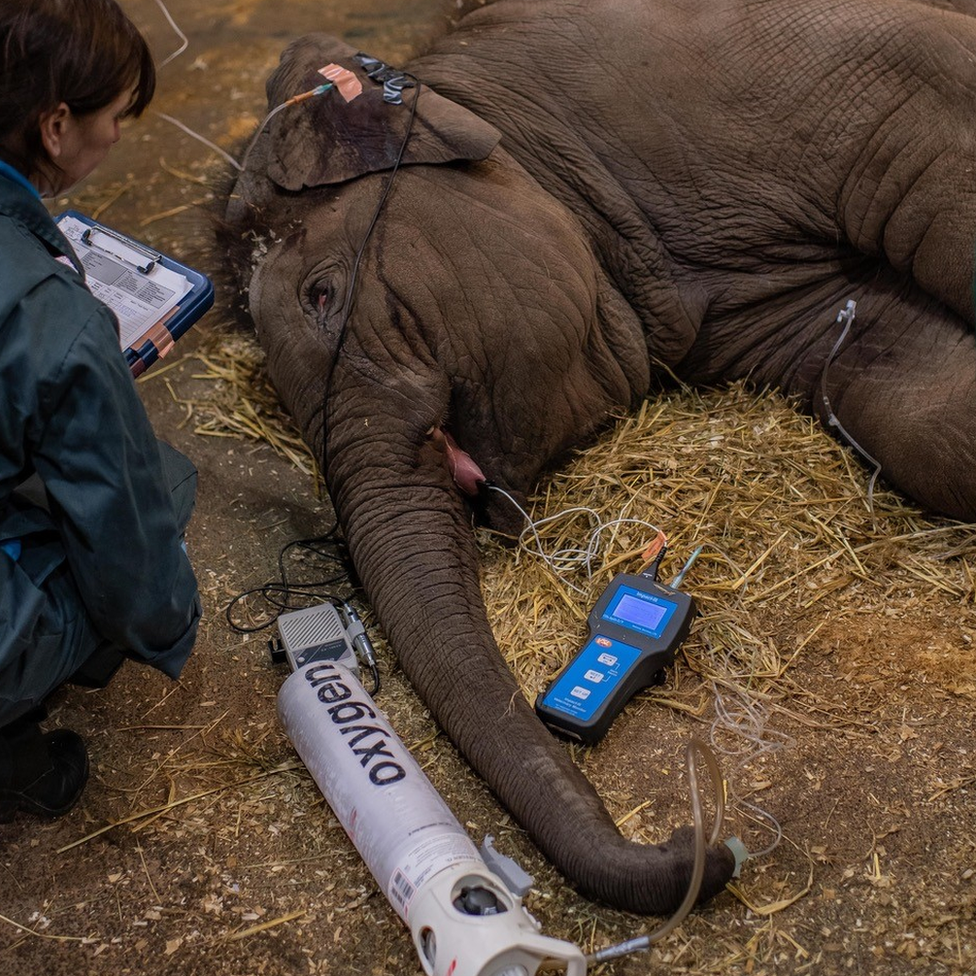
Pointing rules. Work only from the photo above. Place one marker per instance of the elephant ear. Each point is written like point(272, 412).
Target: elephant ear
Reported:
point(326, 139)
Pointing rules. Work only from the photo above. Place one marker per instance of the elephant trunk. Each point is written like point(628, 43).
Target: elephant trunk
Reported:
point(416, 556)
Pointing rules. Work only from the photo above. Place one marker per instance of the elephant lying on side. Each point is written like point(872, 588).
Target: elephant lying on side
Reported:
point(595, 194)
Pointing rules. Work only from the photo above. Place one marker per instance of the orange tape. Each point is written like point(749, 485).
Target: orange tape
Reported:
point(659, 542)
point(158, 335)
point(161, 338)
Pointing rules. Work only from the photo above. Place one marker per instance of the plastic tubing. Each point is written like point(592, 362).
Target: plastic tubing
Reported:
point(694, 748)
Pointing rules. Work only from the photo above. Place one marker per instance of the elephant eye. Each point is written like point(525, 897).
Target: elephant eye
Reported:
point(320, 301)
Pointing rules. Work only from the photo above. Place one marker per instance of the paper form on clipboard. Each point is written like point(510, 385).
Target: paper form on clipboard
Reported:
point(155, 298)
point(132, 282)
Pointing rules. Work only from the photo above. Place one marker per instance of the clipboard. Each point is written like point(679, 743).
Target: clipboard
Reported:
point(157, 338)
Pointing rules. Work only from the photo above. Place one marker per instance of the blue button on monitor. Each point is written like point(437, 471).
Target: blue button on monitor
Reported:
point(584, 686)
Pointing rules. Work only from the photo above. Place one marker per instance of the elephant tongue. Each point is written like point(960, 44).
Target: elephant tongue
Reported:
point(465, 472)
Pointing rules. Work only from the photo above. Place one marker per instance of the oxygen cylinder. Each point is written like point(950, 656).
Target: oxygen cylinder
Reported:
point(463, 919)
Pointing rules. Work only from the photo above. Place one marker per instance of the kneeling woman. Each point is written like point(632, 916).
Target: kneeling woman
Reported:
point(92, 506)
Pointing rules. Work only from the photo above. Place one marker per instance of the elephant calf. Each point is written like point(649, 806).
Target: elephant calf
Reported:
point(589, 196)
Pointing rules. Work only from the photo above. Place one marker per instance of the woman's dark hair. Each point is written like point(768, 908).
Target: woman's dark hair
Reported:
point(84, 53)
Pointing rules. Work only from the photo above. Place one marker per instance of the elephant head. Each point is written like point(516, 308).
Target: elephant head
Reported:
point(421, 299)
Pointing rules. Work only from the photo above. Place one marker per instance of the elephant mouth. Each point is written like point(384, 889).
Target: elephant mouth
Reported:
point(497, 508)
point(465, 472)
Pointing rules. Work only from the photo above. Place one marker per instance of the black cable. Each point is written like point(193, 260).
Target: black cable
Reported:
point(347, 305)
point(309, 591)
point(282, 594)
point(651, 571)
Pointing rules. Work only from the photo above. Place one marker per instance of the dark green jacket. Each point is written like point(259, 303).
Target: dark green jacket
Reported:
point(69, 411)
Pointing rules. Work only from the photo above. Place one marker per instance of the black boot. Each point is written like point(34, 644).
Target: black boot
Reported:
point(40, 772)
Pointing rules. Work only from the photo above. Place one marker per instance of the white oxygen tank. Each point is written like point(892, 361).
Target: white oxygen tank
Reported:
point(463, 919)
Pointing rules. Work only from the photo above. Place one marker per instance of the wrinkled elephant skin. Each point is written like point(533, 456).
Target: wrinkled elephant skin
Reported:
point(596, 195)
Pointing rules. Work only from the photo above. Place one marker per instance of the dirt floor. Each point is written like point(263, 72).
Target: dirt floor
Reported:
point(832, 669)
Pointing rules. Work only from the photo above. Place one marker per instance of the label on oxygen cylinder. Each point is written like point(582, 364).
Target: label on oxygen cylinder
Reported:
point(424, 861)
point(401, 827)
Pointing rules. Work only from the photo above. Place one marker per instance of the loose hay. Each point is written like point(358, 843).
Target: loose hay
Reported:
point(242, 402)
point(780, 509)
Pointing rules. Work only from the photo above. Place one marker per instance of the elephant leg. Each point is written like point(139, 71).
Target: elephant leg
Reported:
point(909, 193)
point(903, 386)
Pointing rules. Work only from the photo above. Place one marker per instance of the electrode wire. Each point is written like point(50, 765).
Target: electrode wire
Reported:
point(569, 560)
point(283, 595)
point(349, 300)
point(172, 23)
point(239, 166)
point(196, 135)
point(846, 316)
point(260, 130)
point(348, 303)
point(694, 750)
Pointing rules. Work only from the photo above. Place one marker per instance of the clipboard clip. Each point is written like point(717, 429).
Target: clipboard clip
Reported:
point(140, 257)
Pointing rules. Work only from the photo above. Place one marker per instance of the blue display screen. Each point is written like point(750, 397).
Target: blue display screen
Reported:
point(644, 612)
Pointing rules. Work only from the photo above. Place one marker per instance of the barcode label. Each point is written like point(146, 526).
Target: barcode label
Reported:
point(401, 890)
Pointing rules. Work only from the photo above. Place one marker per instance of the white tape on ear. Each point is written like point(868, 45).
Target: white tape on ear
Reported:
point(349, 85)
